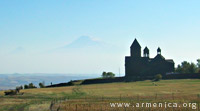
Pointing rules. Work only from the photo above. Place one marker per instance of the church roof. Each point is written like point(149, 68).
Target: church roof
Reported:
point(159, 57)
point(135, 44)
point(170, 60)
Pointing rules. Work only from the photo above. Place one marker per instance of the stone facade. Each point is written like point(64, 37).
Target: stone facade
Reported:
point(138, 66)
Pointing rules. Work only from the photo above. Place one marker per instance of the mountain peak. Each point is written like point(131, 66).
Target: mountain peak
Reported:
point(83, 41)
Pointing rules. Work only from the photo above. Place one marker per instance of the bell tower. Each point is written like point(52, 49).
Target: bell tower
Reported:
point(159, 51)
point(135, 49)
point(146, 52)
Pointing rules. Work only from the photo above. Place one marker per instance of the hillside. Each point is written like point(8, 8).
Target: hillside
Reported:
point(185, 90)
point(10, 81)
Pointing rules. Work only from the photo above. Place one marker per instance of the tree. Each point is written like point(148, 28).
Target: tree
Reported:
point(25, 86)
point(198, 65)
point(187, 67)
point(158, 77)
point(41, 85)
point(104, 74)
point(192, 68)
point(31, 86)
point(108, 75)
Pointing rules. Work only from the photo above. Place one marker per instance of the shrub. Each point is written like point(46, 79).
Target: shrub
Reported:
point(186, 67)
point(108, 75)
point(41, 85)
point(158, 77)
point(31, 85)
point(25, 86)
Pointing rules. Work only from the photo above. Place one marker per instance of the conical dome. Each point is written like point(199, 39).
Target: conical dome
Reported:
point(146, 50)
point(135, 44)
point(158, 50)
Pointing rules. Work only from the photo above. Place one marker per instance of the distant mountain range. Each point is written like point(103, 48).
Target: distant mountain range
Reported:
point(10, 81)
point(84, 42)
point(88, 45)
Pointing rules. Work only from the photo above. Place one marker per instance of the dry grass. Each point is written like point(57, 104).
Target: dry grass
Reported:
point(39, 107)
point(98, 96)
point(104, 105)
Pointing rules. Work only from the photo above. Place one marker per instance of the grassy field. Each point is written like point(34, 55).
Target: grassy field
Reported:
point(99, 97)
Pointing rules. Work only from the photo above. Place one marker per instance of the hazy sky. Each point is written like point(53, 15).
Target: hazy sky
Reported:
point(38, 36)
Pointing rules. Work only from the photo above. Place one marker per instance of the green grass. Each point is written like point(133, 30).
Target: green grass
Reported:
point(164, 90)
